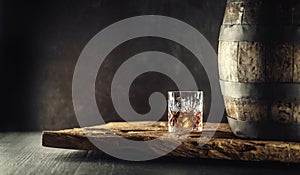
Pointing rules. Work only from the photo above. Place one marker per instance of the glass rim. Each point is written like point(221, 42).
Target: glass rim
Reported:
point(186, 91)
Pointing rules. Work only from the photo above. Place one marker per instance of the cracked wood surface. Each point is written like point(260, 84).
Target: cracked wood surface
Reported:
point(223, 145)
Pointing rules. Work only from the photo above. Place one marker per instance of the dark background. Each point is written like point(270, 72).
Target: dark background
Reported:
point(41, 42)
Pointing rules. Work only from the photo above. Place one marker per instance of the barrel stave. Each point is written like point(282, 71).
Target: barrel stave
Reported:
point(296, 112)
point(246, 109)
point(233, 13)
point(282, 111)
point(280, 62)
point(251, 62)
point(276, 12)
point(253, 13)
point(227, 61)
point(296, 76)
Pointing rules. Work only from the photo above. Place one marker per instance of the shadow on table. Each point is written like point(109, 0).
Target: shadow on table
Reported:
point(171, 165)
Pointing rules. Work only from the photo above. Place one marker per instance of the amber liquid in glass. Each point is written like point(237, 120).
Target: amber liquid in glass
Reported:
point(188, 121)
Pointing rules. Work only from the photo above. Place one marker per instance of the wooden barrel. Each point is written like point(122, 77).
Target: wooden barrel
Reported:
point(259, 66)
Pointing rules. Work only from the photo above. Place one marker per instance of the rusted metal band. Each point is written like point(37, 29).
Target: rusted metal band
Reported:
point(264, 130)
point(259, 33)
point(268, 91)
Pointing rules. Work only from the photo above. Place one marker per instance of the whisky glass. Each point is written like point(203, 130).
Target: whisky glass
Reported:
point(185, 111)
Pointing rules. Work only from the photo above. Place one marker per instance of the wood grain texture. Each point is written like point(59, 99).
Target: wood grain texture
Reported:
point(251, 62)
point(282, 111)
point(297, 111)
point(233, 13)
point(258, 12)
point(22, 153)
point(280, 62)
point(296, 62)
point(255, 60)
point(228, 61)
point(246, 109)
point(223, 145)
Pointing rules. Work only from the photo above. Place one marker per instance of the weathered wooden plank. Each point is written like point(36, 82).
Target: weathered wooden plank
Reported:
point(282, 111)
point(279, 62)
point(223, 145)
point(251, 62)
point(297, 112)
point(234, 13)
point(246, 109)
point(12, 143)
point(296, 77)
point(227, 60)
point(22, 153)
point(259, 12)
point(297, 62)
point(97, 163)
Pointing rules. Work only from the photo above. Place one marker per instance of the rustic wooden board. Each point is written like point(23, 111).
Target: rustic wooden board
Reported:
point(22, 153)
point(223, 145)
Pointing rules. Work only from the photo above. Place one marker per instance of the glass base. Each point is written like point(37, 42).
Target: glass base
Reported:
point(179, 129)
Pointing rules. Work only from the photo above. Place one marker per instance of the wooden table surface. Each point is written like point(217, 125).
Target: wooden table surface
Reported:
point(22, 153)
point(222, 144)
